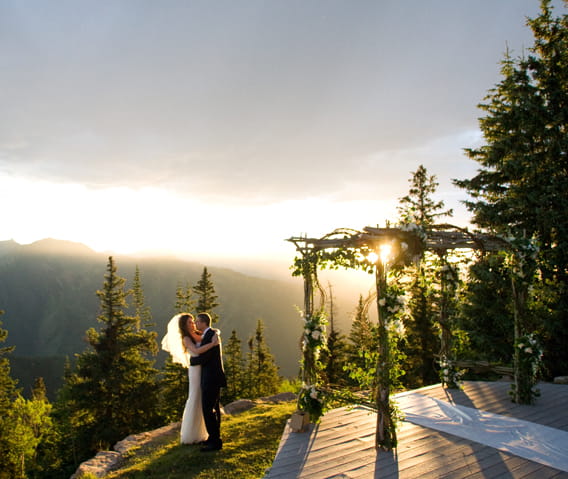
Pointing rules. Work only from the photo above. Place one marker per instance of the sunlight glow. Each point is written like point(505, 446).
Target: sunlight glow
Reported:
point(372, 257)
point(126, 220)
point(385, 252)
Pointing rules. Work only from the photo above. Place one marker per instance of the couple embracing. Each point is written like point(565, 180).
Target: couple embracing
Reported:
point(195, 345)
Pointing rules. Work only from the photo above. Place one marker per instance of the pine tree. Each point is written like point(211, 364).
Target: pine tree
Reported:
point(363, 340)
point(520, 188)
point(421, 341)
point(141, 311)
point(8, 395)
point(362, 348)
point(207, 299)
point(249, 371)
point(8, 391)
point(263, 369)
point(486, 313)
point(418, 206)
point(184, 299)
point(362, 334)
point(334, 356)
point(23, 423)
point(234, 369)
point(113, 390)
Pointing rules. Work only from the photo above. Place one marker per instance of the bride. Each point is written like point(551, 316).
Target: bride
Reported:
point(181, 340)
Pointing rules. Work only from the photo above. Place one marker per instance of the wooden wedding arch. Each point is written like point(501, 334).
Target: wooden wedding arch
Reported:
point(407, 241)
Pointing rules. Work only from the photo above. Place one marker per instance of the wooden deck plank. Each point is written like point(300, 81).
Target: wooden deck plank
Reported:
point(342, 445)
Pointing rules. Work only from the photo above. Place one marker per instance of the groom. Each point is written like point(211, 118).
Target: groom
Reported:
point(212, 379)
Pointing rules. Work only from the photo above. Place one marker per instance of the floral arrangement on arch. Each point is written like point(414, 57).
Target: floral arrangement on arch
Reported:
point(312, 400)
point(314, 332)
point(450, 375)
point(392, 302)
point(528, 354)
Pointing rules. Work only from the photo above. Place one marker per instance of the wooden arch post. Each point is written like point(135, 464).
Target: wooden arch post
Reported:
point(385, 433)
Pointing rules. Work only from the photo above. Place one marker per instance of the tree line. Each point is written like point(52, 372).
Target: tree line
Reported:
point(113, 388)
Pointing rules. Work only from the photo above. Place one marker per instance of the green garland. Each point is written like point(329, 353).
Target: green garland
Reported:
point(528, 359)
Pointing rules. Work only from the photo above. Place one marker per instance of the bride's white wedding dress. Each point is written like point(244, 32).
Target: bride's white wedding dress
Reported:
point(192, 424)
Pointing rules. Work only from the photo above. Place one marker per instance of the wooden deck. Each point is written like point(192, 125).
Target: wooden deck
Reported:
point(342, 445)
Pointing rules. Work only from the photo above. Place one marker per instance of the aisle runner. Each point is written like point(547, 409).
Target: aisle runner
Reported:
point(531, 441)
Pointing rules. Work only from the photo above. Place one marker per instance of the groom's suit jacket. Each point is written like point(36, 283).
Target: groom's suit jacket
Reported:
point(212, 372)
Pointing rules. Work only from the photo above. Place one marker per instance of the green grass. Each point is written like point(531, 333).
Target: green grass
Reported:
point(250, 443)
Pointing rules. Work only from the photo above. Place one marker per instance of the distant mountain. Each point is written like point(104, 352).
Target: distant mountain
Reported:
point(48, 293)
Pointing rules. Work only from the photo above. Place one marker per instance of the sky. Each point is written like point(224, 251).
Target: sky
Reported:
point(214, 130)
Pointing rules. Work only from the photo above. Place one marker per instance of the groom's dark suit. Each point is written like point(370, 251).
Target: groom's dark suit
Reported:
point(212, 379)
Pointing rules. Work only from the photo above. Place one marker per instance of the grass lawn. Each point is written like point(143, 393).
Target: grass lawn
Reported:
point(250, 441)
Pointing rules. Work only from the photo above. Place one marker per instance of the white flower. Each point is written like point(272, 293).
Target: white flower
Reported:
point(314, 394)
point(521, 346)
point(528, 350)
point(382, 302)
point(316, 334)
point(400, 299)
point(399, 327)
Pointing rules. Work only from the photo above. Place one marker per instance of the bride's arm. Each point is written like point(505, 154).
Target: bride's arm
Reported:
point(196, 335)
point(201, 349)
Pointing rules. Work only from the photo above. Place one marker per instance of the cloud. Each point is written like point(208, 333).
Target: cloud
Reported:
point(257, 103)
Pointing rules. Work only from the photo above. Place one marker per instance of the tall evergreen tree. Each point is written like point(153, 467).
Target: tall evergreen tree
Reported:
point(184, 299)
point(8, 394)
point(8, 390)
point(334, 356)
point(113, 390)
point(249, 380)
point(141, 311)
point(363, 345)
point(520, 188)
point(362, 336)
point(263, 370)
point(267, 370)
point(206, 297)
point(486, 309)
point(23, 423)
point(234, 369)
point(420, 208)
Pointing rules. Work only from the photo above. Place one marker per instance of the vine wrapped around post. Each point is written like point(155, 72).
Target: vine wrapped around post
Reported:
point(312, 398)
point(450, 374)
point(527, 355)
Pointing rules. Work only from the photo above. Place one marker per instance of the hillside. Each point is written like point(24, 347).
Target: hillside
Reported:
point(47, 290)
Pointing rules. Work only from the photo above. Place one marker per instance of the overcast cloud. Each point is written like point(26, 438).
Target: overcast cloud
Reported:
point(259, 101)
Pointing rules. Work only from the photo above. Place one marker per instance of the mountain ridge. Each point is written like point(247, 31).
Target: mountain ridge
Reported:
point(49, 299)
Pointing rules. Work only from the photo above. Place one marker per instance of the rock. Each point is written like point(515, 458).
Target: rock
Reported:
point(243, 405)
point(561, 380)
point(278, 398)
point(239, 406)
point(106, 461)
point(100, 465)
